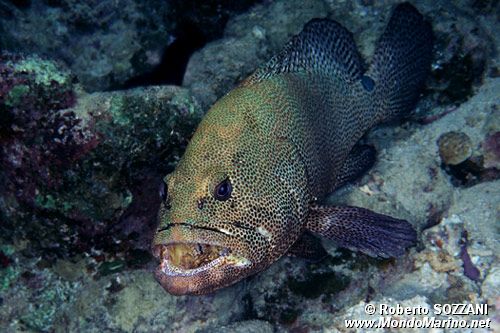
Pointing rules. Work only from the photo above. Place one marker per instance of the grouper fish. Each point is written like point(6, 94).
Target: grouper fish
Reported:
point(248, 189)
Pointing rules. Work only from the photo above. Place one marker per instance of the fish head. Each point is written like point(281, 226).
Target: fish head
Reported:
point(222, 214)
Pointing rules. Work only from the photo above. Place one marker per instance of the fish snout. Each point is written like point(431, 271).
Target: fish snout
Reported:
point(197, 268)
point(200, 260)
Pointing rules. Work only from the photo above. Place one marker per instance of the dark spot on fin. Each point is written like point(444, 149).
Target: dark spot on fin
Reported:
point(360, 229)
point(401, 61)
point(360, 159)
point(323, 46)
point(307, 247)
point(367, 83)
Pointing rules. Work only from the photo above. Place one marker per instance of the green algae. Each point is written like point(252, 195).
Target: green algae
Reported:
point(16, 94)
point(46, 201)
point(45, 305)
point(8, 276)
point(46, 72)
point(8, 250)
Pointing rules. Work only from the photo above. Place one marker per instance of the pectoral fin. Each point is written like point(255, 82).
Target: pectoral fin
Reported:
point(360, 159)
point(363, 230)
point(308, 247)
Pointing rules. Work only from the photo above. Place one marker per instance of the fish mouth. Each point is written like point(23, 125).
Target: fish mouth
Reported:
point(197, 260)
point(189, 259)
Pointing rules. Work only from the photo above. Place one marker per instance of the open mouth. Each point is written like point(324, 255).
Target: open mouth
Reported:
point(192, 258)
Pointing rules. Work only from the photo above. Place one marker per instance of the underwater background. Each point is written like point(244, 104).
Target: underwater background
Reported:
point(98, 100)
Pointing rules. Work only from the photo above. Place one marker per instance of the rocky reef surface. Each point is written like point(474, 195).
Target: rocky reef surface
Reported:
point(80, 170)
point(110, 44)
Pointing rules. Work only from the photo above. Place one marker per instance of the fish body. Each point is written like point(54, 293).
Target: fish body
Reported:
point(249, 186)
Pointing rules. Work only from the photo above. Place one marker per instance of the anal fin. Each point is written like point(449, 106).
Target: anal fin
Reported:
point(360, 229)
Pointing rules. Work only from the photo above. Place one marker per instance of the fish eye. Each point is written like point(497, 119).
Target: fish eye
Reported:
point(163, 190)
point(223, 190)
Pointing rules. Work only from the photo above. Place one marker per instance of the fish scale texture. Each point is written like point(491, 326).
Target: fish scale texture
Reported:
point(321, 73)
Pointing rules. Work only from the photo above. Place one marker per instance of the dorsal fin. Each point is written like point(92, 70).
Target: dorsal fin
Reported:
point(323, 46)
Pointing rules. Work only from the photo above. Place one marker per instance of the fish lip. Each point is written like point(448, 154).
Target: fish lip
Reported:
point(167, 269)
point(211, 275)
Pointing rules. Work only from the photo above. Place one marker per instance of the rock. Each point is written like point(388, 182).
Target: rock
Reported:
point(463, 52)
point(33, 297)
point(478, 209)
point(358, 312)
point(249, 326)
point(109, 44)
point(143, 306)
point(105, 43)
point(491, 285)
point(491, 148)
point(44, 300)
point(249, 40)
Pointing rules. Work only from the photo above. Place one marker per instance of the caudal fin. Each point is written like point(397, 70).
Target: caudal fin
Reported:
point(401, 62)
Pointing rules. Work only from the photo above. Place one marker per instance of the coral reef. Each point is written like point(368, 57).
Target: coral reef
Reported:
point(109, 43)
point(84, 34)
point(77, 169)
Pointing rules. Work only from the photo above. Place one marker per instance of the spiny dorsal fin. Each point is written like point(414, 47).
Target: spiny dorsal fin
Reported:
point(323, 46)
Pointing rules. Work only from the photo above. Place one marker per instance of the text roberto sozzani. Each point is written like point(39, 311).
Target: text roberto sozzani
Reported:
point(439, 316)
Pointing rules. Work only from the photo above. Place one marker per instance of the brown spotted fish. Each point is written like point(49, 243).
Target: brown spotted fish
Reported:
point(249, 187)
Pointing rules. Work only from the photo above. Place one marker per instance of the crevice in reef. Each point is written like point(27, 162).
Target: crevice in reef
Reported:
point(197, 24)
point(174, 60)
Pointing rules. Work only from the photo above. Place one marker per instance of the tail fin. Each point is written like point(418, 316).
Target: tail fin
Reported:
point(401, 62)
